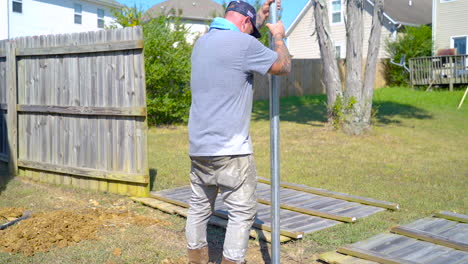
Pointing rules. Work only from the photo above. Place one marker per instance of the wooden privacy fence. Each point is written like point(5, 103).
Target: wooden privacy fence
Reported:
point(305, 78)
point(439, 70)
point(76, 109)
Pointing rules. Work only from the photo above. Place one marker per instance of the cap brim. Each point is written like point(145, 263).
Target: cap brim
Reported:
point(256, 33)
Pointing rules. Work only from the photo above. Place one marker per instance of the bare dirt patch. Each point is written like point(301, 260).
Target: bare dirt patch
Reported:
point(63, 228)
point(8, 214)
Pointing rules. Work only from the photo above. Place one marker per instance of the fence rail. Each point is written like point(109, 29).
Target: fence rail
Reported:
point(439, 70)
point(76, 109)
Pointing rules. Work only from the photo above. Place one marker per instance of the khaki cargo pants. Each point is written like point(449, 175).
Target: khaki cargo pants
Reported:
point(236, 179)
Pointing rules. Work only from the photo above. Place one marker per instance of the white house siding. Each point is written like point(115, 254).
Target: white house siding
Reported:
point(42, 17)
point(303, 42)
point(196, 28)
point(4, 19)
point(450, 21)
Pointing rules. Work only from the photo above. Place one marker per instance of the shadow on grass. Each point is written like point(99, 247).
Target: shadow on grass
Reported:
point(152, 174)
point(312, 108)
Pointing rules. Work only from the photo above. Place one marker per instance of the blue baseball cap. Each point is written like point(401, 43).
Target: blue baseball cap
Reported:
point(245, 9)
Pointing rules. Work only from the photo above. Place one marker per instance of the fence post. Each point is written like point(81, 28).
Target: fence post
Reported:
point(411, 73)
point(12, 121)
point(452, 72)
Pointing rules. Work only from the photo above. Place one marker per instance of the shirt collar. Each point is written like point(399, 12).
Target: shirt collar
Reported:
point(224, 24)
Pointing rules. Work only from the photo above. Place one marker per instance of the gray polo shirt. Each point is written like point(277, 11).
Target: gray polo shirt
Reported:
point(223, 62)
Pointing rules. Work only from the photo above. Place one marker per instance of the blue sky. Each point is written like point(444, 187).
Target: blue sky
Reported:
point(291, 8)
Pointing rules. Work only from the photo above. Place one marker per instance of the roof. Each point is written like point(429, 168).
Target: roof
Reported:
point(109, 3)
point(191, 9)
point(397, 11)
point(409, 12)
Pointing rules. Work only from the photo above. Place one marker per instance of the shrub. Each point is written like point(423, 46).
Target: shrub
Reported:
point(412, 42)
point(167, 67)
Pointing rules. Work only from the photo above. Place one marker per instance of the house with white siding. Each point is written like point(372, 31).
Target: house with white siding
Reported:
point(450, 26)
point(302, 40)
point(40, 17)
point(195, 14)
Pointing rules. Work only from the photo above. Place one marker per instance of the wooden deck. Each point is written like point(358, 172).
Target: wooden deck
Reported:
point(439, 70)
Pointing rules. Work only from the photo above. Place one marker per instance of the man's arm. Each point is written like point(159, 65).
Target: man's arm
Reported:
point(264, 12)
point(282, 65)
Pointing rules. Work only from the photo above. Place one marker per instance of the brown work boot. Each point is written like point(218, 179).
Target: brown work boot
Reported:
point(198, 256)
point(228, 261)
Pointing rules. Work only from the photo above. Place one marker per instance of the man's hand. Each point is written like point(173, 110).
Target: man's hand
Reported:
point(264, 11)
point(282, 65)
point(277, 30)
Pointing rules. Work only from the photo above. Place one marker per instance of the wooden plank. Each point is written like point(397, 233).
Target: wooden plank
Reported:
point(312, 212)
point(4, 107)
point(373, 256)
point(452, 216)
point(84, 172)
point(12, 122)
point(342, 196)
point(223, 214)
point(334, 257)
point(83, 110)
point(214, 220)
point(80, 49)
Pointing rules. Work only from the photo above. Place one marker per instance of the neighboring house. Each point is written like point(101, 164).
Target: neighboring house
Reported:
point(302, 40)
point(195, 14)
point(450, 26)
point(41, 17)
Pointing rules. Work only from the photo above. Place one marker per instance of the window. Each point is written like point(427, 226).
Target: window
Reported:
point(338, 52)
point(100, 18)
point(18, 6)
point(336, 12)
point(459, 43)
point(78, 10)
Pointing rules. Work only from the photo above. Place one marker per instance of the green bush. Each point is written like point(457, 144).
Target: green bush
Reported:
point(412, 42)
point(167, 67)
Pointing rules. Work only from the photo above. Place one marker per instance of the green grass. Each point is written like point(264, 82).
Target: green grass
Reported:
point(416, 155)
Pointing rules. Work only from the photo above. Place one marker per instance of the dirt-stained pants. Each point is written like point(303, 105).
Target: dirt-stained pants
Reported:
point(236, 178)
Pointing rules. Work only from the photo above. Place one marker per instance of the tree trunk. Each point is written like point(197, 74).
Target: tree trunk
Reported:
point(372, 58)
point(331, 74)
point(354, 123)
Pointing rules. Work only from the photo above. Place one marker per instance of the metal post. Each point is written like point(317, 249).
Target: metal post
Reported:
point(274, 154)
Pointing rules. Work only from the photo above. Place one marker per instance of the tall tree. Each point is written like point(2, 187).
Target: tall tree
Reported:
point(352, 104)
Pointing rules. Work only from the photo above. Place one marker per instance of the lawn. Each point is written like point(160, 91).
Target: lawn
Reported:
point(416, 155)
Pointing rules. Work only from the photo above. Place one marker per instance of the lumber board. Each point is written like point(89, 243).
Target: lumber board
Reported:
point(83, 110)
point(84, 172)
point(334, 257)
point(214, 220)
point(4, 107)
point(429, 237)
point(452, 216)
point(222, 211)
point(373, 256)
point(343, 196)
point(312, 212)
point(83, 48)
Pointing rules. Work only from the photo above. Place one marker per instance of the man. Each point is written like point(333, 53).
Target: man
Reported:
point(223, 62)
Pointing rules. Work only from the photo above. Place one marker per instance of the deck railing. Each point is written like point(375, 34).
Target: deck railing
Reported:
point(439, 70)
